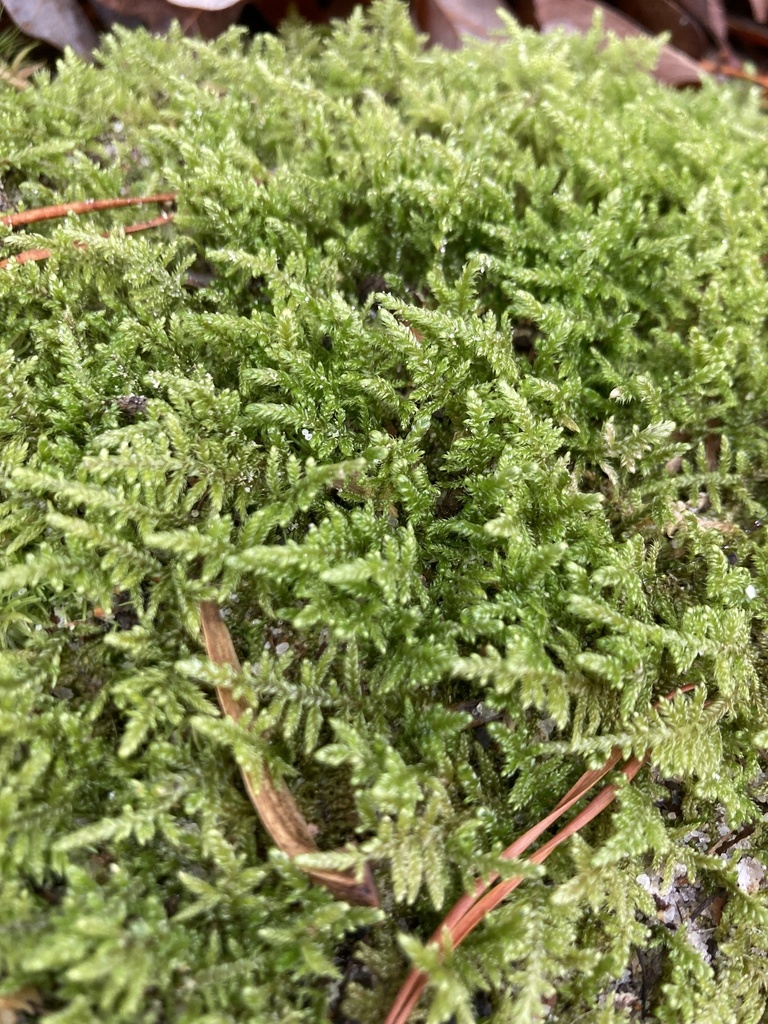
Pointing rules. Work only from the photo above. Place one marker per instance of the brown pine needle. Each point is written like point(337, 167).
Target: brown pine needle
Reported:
point(15, 220)
point(30, 255)
point(470, 910)
point(274, 803)
point(729, 71)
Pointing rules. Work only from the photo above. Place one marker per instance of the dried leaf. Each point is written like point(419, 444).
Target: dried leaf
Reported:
point(317, 11)
point(58, 22)
point(448, 21)
point(659, 16)
point(18, 72)
point(204, 5)
point(274, 803)
point(25, 1001)
point(205, 18)
point(710, 14)
point(673, 67)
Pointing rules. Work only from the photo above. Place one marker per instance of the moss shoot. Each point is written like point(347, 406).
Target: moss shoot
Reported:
point(449, 382)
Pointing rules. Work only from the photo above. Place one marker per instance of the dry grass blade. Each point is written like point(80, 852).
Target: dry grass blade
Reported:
point(28, 256)
point(499, 893)
point(521, 844)
point(274, 803)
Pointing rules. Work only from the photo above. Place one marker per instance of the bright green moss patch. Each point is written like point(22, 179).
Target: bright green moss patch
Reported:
point(462, 310)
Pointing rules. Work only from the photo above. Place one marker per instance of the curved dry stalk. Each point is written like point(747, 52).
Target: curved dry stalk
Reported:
point(274, 803)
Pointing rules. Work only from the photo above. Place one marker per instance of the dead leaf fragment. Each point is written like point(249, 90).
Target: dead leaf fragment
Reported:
point(275, 804)
point(659, 16)
point(710, 14)
point(205, 18)
point(316, 11)
point(61, 23)
point(24, 1000)
point(673, 67)
point(448, 21)
point(205, 5)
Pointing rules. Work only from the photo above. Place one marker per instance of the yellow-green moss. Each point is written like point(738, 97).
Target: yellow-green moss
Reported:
point(462, 311)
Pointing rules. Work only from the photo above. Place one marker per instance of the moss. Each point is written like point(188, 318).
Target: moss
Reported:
point(462, 311)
